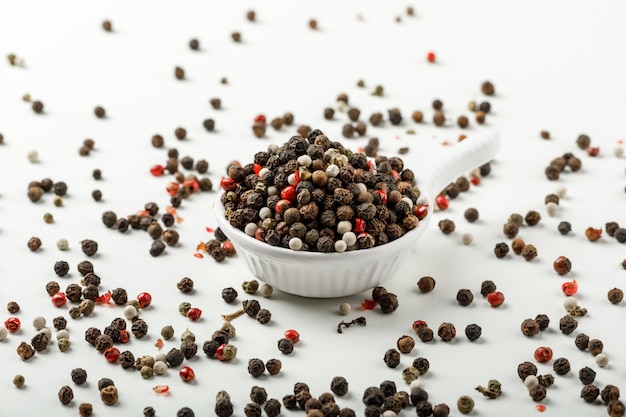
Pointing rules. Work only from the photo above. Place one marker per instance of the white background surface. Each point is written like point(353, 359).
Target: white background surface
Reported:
point(556, 66)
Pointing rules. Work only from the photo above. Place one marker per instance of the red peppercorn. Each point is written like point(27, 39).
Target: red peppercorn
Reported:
point(228, 248)
point(157, 170)
point(543, 354)
point(368, 304)
point(593, 234)
point(228, 184)
point(282, 205)
point(124, 336)
point(145, 299)
point(219, 352)
point(431, 57)
point(292, 335)
point(260, 119)
point(562, 265)
point(104, 298)
point(187, 374)
point(369, 165)
point(359, 225)
point(159, 343)
point(112, 354)
point(383, 196)
point(593, 151)
point(495, 298)
point(59, 299)
point(194, 314)
point(420, 211)
point(417, 324)
point(172, 188)
point(442, 202)
point(193, 185)
point(12, 324)
point(288, 193)
point(296, 176)
point(161, 389)
point(569, 288)
point(259, 234)
point(475, 180)
point(257, 168)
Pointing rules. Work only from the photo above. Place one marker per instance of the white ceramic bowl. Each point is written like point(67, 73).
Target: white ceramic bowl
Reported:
point(328, 275)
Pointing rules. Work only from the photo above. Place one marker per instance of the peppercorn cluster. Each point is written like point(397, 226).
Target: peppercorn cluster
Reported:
point(313, 194)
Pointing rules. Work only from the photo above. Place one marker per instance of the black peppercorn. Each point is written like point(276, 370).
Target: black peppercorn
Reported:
point(253, 410)
point(609, 393)
point(59, 323)
point(525, 369)
point(373, 396)
point(89, 247)
point(194, 44)
point(34, 243)
point(127, 359)
point(139, 328)
point(586, 375)
point(561, 366)
point(446, 331)
point(339, 386)
point(272, 407)
point(464, 297)
point(185, 285)
point(119, 296)
point(510, 230)
point(567, 324)
point(595, 346)
point(487, 287)
point(229, 294)
point(61, 268)
point(185, 412)
point(537, 393)
point(392, 358)
point(174, 357)
point(473, 332)
point(501, 249)
point(157, 248)
point(40, 341)
point(285, 345)
point(79, 376)
point(13, 307)
point(589, 393)
point(564, 227)
point(37, 106)
point(273, 366)
point(149, 412)
point(256, 367)
point(532, 218)
point(581, 341)
point(388, 302)
point(425, 333)
point(66, 395)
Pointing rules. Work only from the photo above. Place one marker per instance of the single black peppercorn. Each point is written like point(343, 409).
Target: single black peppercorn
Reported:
point(66, 395)
point(418, 395)
point(89, 247)
point(13, 307)
point(405, 344)
point(525, 369)
point(149, 412)
point(564, 227)
point(473, 332)
point(581, 341)
point(532, 218)
point(421, 364)
point(446, 331)
point(85, 410)
point(273, 366)
point(59, 323)
point(595, 346)
point(567, 324)
point(561, 366)
point(185, 285)
point(609, 393)
point(537, 393)
point(40, 341)
point(174, 357)
point(446, 226)
point(61, 268)
point(285, 345)
point(139, 328)
point(194, 44)
point(616, 408)
point(79, 376)
point(510, 230)
point(464, 297)
point(487, 287)
point(589, 393)
point(586, 375)
point(392, 358)
point(34, 243)
point(256, 367)
point(388, 302)
point(253, 410)
point(425, 333)
point(127, 359)
point(339, 386)
point(501, 249)
point(185, 412)
point(272, 407)
point(119, 296)
point(157, 248)
point(373, 396)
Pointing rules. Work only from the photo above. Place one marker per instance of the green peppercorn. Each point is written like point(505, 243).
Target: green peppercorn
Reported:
point(465, 404)
point(19, 381)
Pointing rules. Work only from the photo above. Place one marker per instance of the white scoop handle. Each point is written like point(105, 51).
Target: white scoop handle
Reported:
point(436, 172)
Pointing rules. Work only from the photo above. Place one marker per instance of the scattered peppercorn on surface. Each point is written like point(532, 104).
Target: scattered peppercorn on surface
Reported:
point(120, 123)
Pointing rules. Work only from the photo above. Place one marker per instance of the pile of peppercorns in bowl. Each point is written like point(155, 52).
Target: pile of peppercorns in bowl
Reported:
point(312, 218)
